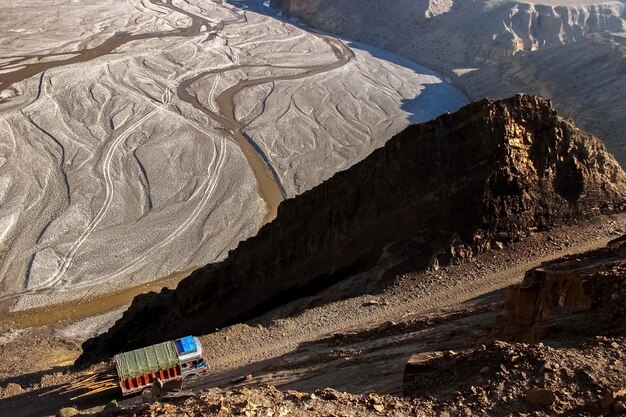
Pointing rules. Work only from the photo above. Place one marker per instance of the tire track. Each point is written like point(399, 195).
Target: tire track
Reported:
point(269, 185)
point(213, 175)
point(109, 191)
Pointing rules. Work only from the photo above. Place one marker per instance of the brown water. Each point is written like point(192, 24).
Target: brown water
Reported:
point(82, 309)
point(268, 183)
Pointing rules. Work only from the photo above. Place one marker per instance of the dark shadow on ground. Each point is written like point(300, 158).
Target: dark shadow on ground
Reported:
point(366, 360)
point(32, 378)
point(434, 100)
point(44, 402)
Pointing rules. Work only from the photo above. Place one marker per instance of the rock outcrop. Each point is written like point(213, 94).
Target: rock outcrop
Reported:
point(493, 170)
point(582, 292)
point(576, 306)
point(579, 378)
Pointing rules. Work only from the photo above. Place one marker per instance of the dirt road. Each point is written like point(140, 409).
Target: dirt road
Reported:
point(361, 344)
point(415, 295)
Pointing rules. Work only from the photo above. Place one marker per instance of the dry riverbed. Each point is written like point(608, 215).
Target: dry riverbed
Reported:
point(154, 138)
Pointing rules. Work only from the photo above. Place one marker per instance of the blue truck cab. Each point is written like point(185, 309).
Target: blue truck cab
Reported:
point(190, 355)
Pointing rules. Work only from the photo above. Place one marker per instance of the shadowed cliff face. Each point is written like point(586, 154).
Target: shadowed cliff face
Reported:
point(493, 170)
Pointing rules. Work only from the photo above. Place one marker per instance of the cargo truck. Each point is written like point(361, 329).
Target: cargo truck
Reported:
point(161, 363)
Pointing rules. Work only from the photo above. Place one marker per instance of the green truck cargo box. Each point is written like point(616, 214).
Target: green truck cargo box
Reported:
point(146, 360)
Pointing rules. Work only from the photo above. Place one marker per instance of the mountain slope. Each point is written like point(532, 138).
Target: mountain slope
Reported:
point(493, 170)
point(570, 51)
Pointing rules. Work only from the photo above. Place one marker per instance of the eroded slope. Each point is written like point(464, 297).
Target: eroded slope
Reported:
point(569, 51)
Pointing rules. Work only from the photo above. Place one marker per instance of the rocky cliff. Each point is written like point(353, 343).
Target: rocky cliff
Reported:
point(569, 51)
point(493, 170)
point(593, 284)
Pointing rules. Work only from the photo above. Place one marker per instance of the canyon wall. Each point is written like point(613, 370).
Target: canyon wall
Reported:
point(467, 32)
point(569, 51)
point(493, 170)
